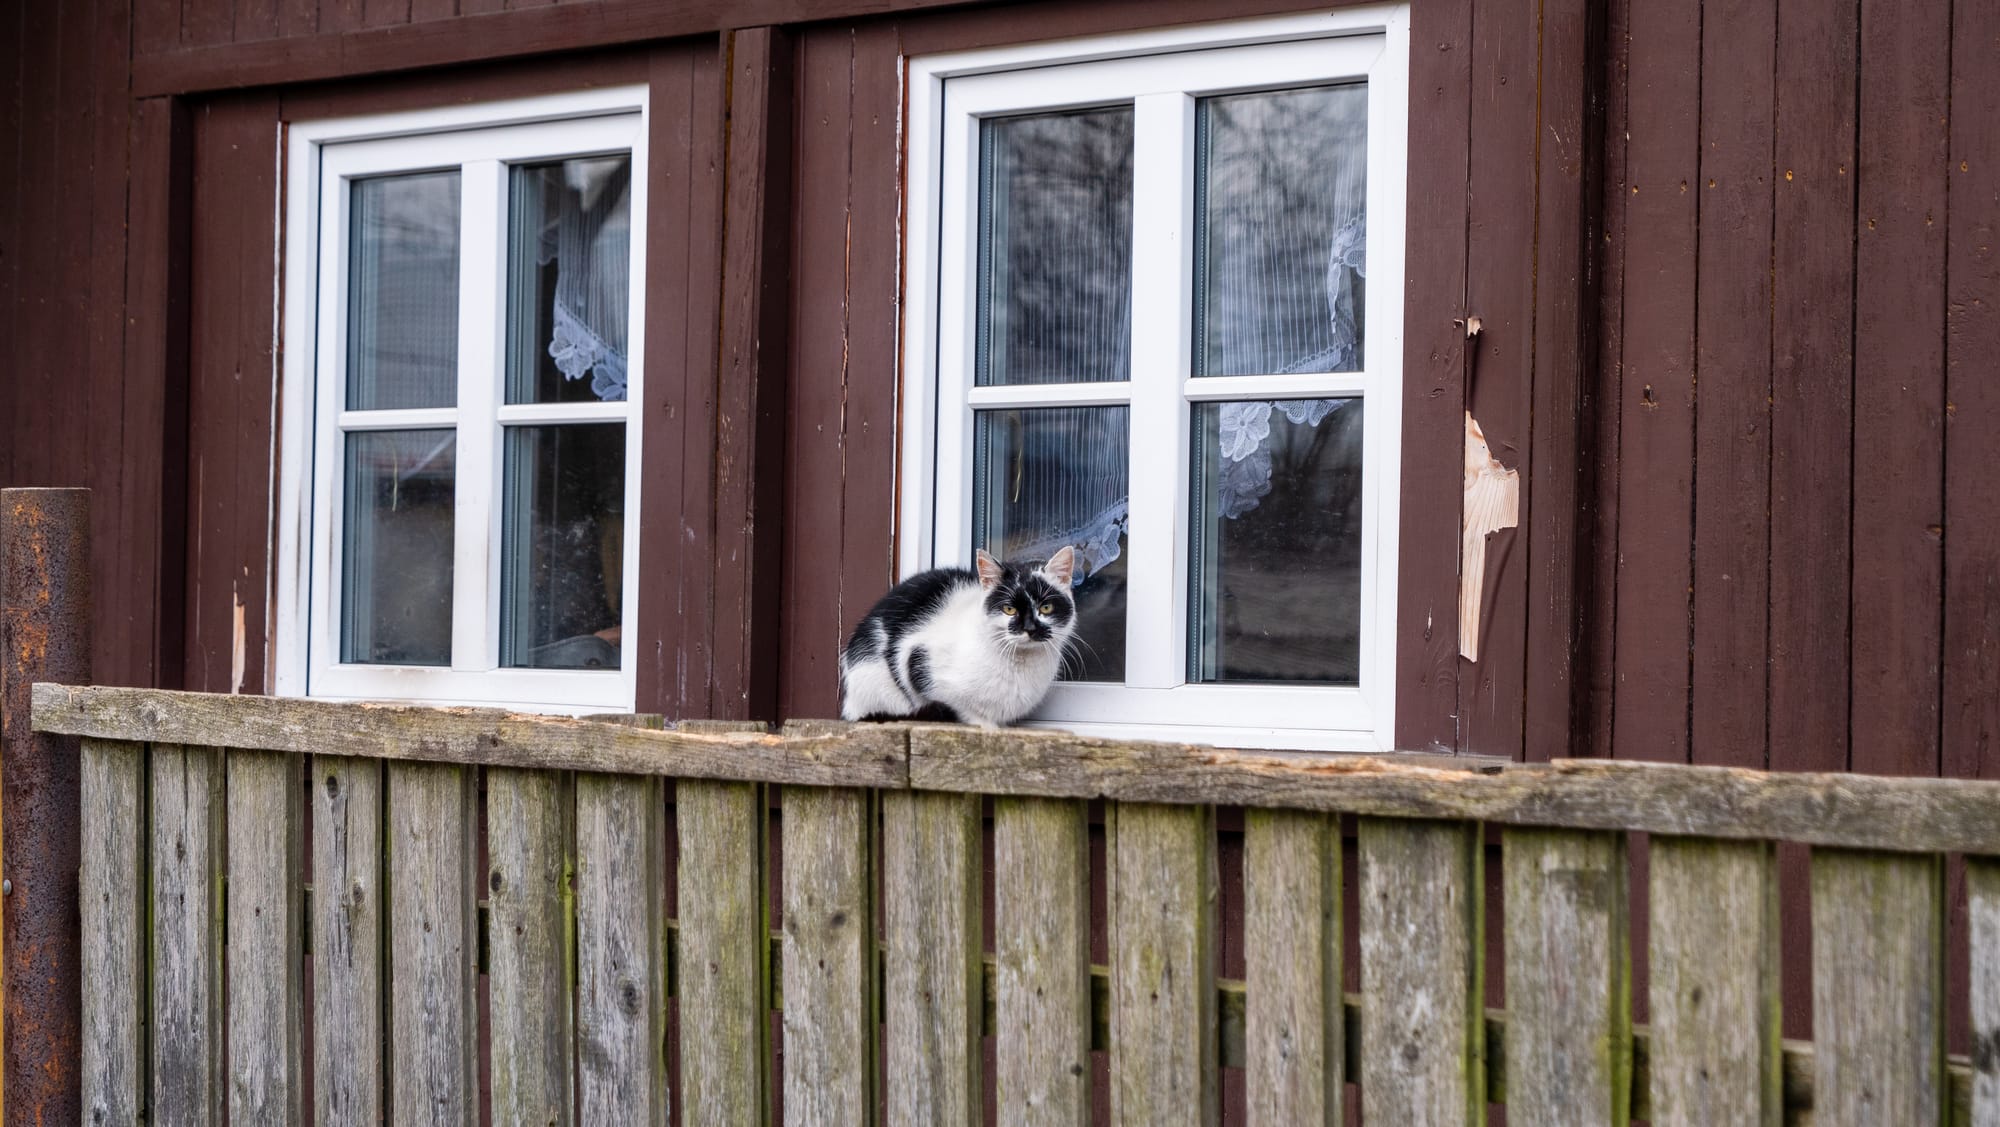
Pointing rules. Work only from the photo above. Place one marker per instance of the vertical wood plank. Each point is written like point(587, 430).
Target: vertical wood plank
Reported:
point(829, 957)
point(264, 941)
point(1293, 1040)
point(1714, 956)
point(431, 945)
point(1422, 973)
point(620, 950)
point(1878, 987)
point(1569, 1025)
point(1162, 895)
point(1982, 888)
point(724, 991)
point(187, 935)
point(529, 958)
point(348, 909)
point(931, 862)
point(111, 896)
point(1041, 908)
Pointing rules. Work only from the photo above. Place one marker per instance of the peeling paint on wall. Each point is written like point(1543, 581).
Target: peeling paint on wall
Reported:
point(1492, 502)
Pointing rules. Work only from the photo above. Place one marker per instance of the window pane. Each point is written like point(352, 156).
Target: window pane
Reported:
point(562, 573)
point(1055, 248)
point(1052, 476)
point(1275, 561)
point(569, 263)
point(396, 547)
point(1282, 190)
point(402, 292)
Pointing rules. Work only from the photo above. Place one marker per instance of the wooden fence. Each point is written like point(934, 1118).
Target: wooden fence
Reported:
point(236, 846)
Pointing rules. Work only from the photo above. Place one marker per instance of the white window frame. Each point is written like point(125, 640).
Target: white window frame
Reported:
point(1161, 74)
point(481, 141)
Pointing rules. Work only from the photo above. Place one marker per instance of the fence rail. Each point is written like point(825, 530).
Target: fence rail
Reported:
point(233, 842)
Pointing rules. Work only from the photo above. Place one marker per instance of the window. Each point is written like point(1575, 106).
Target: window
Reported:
point(1138, 322)
point(462, 341)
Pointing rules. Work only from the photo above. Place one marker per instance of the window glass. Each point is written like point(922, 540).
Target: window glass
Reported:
point(569, 280)
point(1275, 558)
point(1281, 199)
point(1056, 476)
point(1055, 248)
point(402, 285)
point(396, 564)
point(564, 528)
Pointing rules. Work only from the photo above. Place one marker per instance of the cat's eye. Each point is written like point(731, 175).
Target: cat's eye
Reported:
point(1046, 608)
point(1009, 610)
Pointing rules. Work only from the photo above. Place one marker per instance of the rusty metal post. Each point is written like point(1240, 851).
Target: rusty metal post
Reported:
point(45, 633)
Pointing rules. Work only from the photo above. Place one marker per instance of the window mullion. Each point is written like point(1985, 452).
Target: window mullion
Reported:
point(482, 294)
point(1162, 205)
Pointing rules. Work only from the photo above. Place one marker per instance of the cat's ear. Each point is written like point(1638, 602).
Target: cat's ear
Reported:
point(1061, 567)
point(989, 569)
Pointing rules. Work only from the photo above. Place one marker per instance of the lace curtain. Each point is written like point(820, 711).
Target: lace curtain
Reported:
point(590, 241)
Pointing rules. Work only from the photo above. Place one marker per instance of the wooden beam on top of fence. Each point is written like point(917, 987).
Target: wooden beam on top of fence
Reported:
point(1293, 1036)
point(1423, 1050)
point(1569, 1006)
point(1878, 987)
point(850, 755)
point(931, 863)
point(621, 990)
point(1982, 884)
point(529, 900)
point(829, 959)
point(1716, 1057)
point(432, 946)
point(112, 898)
point(348, 906)
point(264, 937)
point(1162, 890)
point(1041, 901)
point(187, 935)
point(1826, 808)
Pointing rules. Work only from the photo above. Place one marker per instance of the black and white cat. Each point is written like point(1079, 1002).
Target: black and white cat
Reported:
point(978, 646)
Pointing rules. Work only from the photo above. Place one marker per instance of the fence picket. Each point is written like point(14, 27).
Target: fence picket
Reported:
point(187, 900)
point(1715, 1052)
point(1878, 987)
point(264, 918)
point(1422, 1003)
point(1982, 883)
point(1161, 895)
point(111, 895)
point(1041, 896)
point(1292, 955)
point(528, 947)
point(431, 945)
point(930, 858)
point(829, 957)
point(621, 977)
point(724, 993)
point(1569, 1024)
point(347, 941)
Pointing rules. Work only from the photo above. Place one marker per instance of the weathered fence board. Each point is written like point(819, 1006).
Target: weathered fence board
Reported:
point(431, 946)
point(1293, 1032)
point(829, 962)
point(264, 916)
point(528, 866)
point(1982, 883)
point(724, 993)
point(1715, 1049)
point(1878, 988)
point(1422, 968)
point(1041, 899)
point(1569, 1028)
point(187, 935)
point(931, 862)
point(620, 927)
point(112, 899)
point(348, 904)
point(1162, 888)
